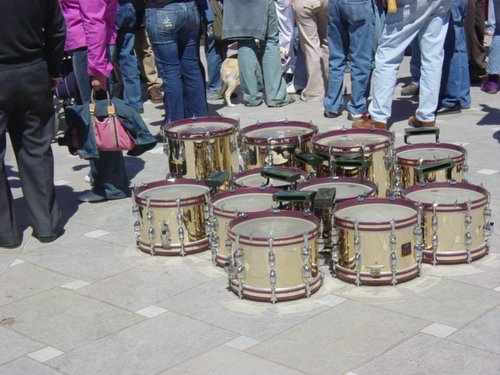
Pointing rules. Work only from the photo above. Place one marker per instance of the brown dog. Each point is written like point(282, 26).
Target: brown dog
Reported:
point(230, 75)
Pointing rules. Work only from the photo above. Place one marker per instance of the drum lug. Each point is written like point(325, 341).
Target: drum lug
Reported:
point(181, 240)
point(306, 274)
point(151, 236)
point(209, 149)
point(468, 235)
point(149, 213)
point(393, 245)
point(272, 281)
point(272, 271)
point(233, 146)
point(240, 277)
point(137, 232)
point(418, 237)
point(165, 235)
point(229, 268)
point(357, 251)
point(335, 250)
point(487, 221)
point(435, 239)
point(214, 245)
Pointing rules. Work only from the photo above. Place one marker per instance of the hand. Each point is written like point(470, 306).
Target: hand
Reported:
point(54, 82)
point(98, 82)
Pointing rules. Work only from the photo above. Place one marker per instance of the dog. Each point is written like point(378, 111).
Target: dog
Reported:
point(230, 75)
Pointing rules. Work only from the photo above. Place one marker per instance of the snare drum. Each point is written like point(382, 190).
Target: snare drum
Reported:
point(410, 156)
point(199, 146)
point(274, 256)
point(375, 241)
point(275, 143)
point(254, 178)
point(228, 205)
point(170, 217)
point(350, 145)
point(345, 188)
point(455, 222)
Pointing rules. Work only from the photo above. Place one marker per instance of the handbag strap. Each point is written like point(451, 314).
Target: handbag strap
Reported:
point(110, 106)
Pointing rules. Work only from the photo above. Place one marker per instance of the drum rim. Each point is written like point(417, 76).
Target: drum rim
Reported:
point(169, 133)
point(375, 226)
point(155, 202)
point(322, 180)
point(371, 147)
point(261, 241)
point(448, 184)
point(416, 162)
point(279, 141)
point(241, 191)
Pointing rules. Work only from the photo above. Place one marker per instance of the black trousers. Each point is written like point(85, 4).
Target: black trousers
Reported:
point(27, 112)
point(474, 34)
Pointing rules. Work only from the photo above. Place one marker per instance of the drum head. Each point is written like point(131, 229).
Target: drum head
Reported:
point(445, 195)
point(344, 190)
point(246, 202)
point(256, 180)
point(349, 140)
point(274, 226)
point(278, 132)
point(200, 128)
point(174, 191)
point(375, 213)
point(429, 154)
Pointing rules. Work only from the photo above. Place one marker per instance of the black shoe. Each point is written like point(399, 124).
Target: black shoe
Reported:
point(48, 239)
point(449, 110)
point(331, 114)
point(11, 245)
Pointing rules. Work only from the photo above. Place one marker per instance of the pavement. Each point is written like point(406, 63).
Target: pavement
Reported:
point(92, 303)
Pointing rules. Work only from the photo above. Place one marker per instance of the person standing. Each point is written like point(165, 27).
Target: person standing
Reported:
point(31, 52)
point(423, 19)
point(474, 32)
point(492, 86)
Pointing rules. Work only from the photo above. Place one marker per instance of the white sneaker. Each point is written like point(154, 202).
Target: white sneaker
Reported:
point(87, 178)
point(290, 88)
point(91, 197)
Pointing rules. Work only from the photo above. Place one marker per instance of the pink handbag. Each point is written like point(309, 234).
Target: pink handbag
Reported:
point(110, 134)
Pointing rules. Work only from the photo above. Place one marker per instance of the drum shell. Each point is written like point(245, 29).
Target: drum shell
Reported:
point(289, 263)
point(375, 247)
point(223, 217)
point(217, 151)
point(255, 150)
point(378, 172)
point(451, 228)
point(166, 210)
point(409, 176)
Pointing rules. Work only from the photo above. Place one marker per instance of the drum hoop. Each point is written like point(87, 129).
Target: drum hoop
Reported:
point(257, 171)
point(279, 141)
point(169, 133)
point(240, 192)
point(322, 180)
point(196, 199)
point(449, 207)
point(342, 149)
point(278, 242)
point(375, 226)
point(416, 162)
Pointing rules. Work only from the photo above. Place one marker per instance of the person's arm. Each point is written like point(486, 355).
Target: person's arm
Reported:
point(93, 15)
point(54, 34)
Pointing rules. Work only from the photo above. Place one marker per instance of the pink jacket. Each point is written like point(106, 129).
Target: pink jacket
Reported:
point(91, 24)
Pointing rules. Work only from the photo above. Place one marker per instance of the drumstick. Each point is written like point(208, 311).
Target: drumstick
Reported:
point(391, 6)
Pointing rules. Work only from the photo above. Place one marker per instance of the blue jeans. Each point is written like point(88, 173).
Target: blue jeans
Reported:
point(108, 174)
point(455, 81)
point(174, 32)
point(493, 66)
point(350, 30)
point(415, 62)
point(426, 20)
point(125, 57)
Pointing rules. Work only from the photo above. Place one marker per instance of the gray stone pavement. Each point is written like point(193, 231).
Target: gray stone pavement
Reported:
point(91, 303)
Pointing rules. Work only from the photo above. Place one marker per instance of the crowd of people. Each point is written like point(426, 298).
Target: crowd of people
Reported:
point(123, 46)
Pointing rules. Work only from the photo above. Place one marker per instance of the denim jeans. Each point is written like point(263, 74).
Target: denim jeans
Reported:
point(493, 66)
point(125, 57)
point(174, 32)
point(349, 25)
point(254, 80)
point(108, 174)
point(426, 20)
point(415, 62)
point(455, 81)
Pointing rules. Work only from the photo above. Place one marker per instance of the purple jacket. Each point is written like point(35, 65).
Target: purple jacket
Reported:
point(91, 24)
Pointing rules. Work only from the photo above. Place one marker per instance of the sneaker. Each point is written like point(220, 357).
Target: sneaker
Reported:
point(490, 87)
point(91, 197)
point(368, 123)
point(292, 88)
point(416, 123)
point(214, 95)
point(353, 117)
point(410, 90)
point(288, 100)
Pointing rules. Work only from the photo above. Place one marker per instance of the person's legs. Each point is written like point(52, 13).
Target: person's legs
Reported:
point(274, 83)
point(474, 32)
point(251, 81)
point(286, 26)
point(338, 44)
point(31, 131)
point(431, 35)
point(360, 19)
point(79, 60)
point(125, 57)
